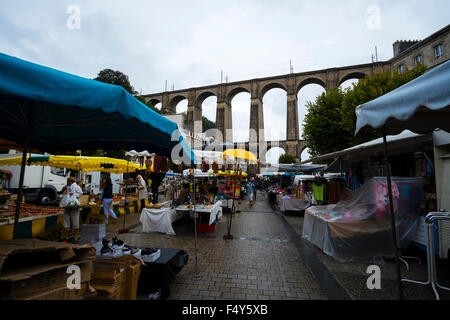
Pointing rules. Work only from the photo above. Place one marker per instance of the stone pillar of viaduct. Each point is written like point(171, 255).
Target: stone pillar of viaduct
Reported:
point(194, 114)
point(223, 116)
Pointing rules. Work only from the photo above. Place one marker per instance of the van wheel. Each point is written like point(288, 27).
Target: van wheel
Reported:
point(44, 197)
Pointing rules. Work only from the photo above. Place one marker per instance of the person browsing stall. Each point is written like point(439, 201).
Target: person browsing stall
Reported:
point(107, 198)
point(71, 217)
point(142, 190)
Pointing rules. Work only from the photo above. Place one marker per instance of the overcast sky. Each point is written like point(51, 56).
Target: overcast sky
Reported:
point(188, 43)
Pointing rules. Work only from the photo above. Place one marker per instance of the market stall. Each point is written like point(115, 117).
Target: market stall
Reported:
point(359, 228)
point(159, 218)
point(208, 215)
point(421, 105)
point(52, 111)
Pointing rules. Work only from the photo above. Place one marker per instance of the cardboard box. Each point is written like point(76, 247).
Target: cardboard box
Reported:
point(104, 277)
point(105, 292)
point(30, 267)
point(105, 271)
point(29, 282)
point(63, 293)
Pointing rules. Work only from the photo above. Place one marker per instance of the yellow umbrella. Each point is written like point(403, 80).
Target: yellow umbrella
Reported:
point(240, 153)
point(102, 164)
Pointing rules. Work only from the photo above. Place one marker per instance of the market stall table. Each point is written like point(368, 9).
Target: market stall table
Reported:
point(159, 220)
point(34, 220)
point(215, 212)
point(156, 275)
point(292, 205)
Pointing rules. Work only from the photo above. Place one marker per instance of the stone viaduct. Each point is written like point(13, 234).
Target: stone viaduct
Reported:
point(291, 83)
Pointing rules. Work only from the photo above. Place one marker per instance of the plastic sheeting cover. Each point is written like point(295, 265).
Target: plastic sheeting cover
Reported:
point(360, 227)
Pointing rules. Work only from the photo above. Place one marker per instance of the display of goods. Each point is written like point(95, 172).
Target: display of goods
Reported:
point(27, 210)
point(4, 192)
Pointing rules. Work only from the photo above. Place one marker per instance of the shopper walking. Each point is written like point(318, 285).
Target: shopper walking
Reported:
point(251, 187)
point(107, 198)
point(71, 217)
point(142, 190)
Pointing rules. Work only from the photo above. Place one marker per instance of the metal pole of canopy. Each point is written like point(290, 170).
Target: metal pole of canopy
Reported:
point(124, 229)
point(229, 236)
point(393, 226)
point(195, 222)
point(22, 172)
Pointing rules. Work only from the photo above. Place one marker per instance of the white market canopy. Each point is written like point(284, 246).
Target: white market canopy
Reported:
point(402, 140)
point(420, 105)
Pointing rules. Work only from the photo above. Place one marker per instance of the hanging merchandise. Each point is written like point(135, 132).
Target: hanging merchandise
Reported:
point(215, 167)
point(381, 196)
point(318, 191)
point(148, 166)
point(205, 166)
point(165, 164)
point(429, 167)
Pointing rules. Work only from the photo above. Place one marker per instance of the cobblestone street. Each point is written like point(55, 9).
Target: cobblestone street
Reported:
point(262, 262)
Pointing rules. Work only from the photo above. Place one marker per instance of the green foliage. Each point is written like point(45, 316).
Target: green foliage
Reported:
point(286, 158)
point(330, 122)
point(322, 128)
point(207, 124)
point(368, 89)
point(117, 78)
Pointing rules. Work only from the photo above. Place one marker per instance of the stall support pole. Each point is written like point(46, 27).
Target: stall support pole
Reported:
point(229, 236)
point(125, 230)
point(195, 224)
point(22, 172)
point(391, 204)
point(20, 193)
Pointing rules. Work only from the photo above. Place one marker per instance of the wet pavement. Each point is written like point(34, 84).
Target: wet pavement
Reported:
point(261, 262)
point(353, 276)
point(268, 260)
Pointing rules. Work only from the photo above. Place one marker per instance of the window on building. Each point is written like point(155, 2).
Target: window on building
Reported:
point(401, 68)
point(438, 51)
point(418, 59)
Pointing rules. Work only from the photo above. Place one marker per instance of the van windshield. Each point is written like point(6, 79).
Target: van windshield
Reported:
point(58, 171)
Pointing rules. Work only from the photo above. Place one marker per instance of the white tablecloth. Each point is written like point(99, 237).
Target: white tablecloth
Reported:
point(159, 220)
point(215, 211)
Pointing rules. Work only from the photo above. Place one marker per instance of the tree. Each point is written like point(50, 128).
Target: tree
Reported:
point(207, 124)
point(322, 128)
point(117, 78)
point(331, 120)
point(286, 158)
point(368, 89)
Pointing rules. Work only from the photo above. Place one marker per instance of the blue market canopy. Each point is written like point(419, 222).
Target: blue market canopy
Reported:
point(420, 105)
point(62, 112)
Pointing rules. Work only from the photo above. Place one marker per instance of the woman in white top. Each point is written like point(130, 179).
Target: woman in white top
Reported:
point(71, 218)
point(142, 190)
